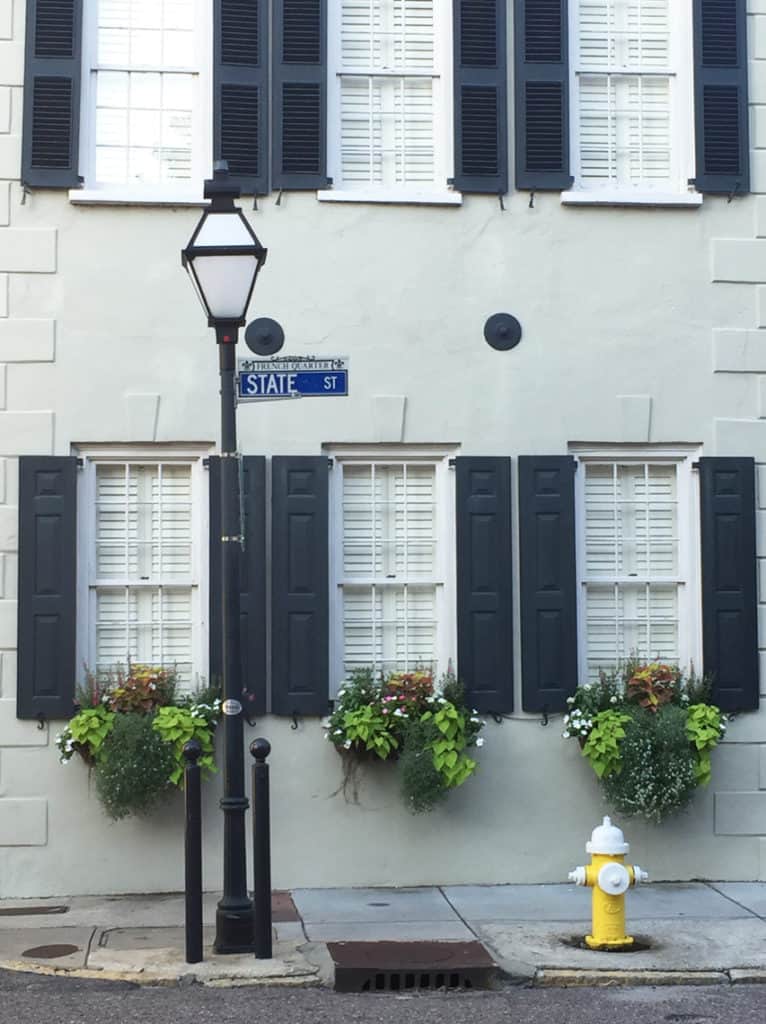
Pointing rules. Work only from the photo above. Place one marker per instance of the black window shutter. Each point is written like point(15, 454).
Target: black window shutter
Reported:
point(241, 91)
point(484, 589)
point(252, 578)
point(548, 581)
point(481, 114)
point(47, 586)
point(720, 97)
point(299, 587)
point(52, 94)
point(729, 601)
point(299, 68)
point(542, 94)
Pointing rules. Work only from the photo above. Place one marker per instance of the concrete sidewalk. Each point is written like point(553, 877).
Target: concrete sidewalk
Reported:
point(694, 933)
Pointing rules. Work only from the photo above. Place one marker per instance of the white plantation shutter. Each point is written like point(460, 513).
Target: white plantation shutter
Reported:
point(632, 571)
point(388, 98)
point(625, 76)
point(145, 76)
point(144, 574)
point(389, 566)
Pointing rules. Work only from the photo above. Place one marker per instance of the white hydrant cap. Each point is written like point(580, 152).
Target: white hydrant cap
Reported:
point(607, 838)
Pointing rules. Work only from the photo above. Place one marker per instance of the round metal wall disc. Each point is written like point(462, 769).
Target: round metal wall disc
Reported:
point(502, 331)
point(264, 336)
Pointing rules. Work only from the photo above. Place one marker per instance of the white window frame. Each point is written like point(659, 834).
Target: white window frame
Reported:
point(681, 127)
point(446, 593)
point(174, 193)
point(684, 457)
point(443, 121)
point(94, 455)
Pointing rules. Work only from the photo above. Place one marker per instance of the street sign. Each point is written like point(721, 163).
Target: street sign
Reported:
point(291, 377)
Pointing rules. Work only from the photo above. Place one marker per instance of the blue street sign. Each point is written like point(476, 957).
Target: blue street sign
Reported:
point(291, 377)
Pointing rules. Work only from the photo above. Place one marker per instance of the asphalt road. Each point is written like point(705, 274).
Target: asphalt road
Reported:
point(28, 999)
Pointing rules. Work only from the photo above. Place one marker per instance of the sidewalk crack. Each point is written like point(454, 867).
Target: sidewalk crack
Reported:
point(752, 913)
point(457, 913)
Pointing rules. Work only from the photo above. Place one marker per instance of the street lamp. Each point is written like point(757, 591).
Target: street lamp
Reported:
point(223, 258)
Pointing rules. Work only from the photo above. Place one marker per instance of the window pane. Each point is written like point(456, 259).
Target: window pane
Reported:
point(631, 520)
point(389, 522)
point(387, 34)
point(627, 620)
point(389, 628)
point(146, 626)
point(624, 33)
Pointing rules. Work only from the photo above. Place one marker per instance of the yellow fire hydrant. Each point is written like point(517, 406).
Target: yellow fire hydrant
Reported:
point(609, 877)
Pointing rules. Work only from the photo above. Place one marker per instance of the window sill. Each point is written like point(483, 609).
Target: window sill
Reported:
point(379, 195)
point(132, 197)
point(620, 197)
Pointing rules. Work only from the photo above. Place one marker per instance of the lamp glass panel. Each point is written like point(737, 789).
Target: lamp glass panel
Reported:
point(226, 282)
point(223, 229)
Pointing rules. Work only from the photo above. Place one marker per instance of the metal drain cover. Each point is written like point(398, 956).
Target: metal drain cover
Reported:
point(407, 966)
point(58, 908)
point(51, 952)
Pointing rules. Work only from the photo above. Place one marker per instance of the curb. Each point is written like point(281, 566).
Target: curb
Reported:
point(559, 978)
point(147, 978)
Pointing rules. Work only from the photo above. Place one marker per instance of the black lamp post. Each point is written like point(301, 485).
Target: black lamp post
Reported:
point(223, 258)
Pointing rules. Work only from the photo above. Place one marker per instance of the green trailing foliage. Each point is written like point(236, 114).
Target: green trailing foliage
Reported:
point(402, 717)
point(132, 731)
point(648, 732)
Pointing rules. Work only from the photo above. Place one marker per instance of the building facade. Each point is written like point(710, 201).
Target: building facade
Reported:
point(594, 168)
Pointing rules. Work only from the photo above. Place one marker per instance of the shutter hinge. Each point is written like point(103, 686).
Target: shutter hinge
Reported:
point(40, 720)
point(296, 721)
point(80, 463)
point(451, 182)
point(695, 465)
point(206, 463)
point(734, 191)
point(330, 182)
point(452, 463)
point(330, 463)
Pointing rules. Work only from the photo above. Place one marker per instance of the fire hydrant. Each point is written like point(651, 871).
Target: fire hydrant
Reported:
point(609, 877)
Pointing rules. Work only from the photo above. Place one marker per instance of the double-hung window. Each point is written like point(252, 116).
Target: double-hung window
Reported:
point(638, 554)
point(141, 595)
point(389, 93)
point(392, 586)
point(146, 111)
point(631, 88)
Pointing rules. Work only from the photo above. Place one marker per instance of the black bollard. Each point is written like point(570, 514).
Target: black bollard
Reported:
point(260, 749)
point(193, 852)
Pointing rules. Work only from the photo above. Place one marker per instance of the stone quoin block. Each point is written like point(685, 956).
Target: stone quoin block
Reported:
point(3, 295)
point(8, 673)
point(756, 37)
point(756, 71)
point(733, 437)
point(17, 733)
point(739, 259)
point(10, 586)
point(11, 62)
point(762, 766)
point(3, 385)
point(29, 251)
point(740, 814)
point(9, 529)
point(738, 351)
point(23, 822)
point(8, 612)
point(758, 128)
point(760, 202)
point(26, 433)
point(5, 109)
point(758, 170)
point(5, 205)
point(6, 19)
point(761, 305)
point(28, 341)
point(10, 156)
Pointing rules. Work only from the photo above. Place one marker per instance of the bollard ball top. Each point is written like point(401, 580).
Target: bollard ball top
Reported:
point(192, 751)
point(260, 749)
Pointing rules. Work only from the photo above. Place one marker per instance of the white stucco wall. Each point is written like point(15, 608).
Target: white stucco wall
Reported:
point(96, 310)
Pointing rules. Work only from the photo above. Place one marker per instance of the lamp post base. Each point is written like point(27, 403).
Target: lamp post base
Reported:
point(234, 928)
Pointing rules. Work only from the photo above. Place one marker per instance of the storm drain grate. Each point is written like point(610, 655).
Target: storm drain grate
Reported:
point(411, 966)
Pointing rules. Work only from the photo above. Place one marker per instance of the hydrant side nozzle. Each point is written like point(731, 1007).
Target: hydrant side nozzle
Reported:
point(578, 876)
point(639, 875)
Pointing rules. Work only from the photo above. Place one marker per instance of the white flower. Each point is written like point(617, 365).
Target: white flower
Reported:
point(476, 721)
point(570, 700)
point(566, 719)
point(613, 700)
point(566, 734)
point(441, 700)
point(399, 713)
point(347, 744)
point(325, 723)
point(338, 732)
point(587, 686)
point(480, 742)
